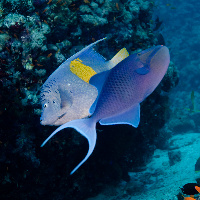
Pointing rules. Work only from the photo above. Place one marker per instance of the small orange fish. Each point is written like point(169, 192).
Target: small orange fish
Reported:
point(72, 5)
point(44, 10)
point(35, 60)
point(37, 13)
point(15, 36)
point(49, 55)
point(58, 1)
point(63, 3)
point(45, 21)
point(8, 49)
point(117, 6)
point(39, 65)
point(93, 39)
point(1, 31)
point(86, 1)
point(114, 19)
point(57, 50)
point(197, 189)
point(188, 198)
point(49, 1)
point(32, 65)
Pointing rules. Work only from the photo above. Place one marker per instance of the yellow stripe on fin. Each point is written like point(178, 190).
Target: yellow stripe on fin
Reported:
point(121, 55)
point(84, 72)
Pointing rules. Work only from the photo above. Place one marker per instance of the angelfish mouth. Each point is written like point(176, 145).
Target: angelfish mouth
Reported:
point(61, 116)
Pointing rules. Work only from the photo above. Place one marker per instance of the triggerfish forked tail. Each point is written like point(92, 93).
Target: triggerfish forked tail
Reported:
point(121, 90)
point(67, 95)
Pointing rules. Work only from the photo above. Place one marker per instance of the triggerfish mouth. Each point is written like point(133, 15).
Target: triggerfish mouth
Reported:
point(120, 92)
point(67, 95)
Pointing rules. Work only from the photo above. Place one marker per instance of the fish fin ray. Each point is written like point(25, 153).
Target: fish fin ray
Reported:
point(121, 55)
point(87, 128)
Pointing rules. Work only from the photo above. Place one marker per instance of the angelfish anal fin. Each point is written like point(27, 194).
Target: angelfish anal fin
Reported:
point(130, 116)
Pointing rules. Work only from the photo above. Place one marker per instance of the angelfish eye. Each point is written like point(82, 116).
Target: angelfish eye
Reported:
point(45, 105)
point(54, 102)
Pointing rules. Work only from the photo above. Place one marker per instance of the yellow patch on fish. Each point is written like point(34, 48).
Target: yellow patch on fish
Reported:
point(84, 72)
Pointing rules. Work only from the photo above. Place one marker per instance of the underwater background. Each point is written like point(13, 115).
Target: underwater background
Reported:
point(150, 162)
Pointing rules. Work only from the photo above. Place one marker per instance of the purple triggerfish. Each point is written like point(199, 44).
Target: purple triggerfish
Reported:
point(120, 92)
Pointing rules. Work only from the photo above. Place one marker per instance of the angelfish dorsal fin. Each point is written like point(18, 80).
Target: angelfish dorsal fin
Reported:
point(84, 72)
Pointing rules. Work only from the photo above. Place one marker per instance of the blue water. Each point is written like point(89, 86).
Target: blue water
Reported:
point(151, 162)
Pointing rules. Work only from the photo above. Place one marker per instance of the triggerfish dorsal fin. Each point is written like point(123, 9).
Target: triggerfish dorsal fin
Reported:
point(121, 55)
point(87, 128)
point(98, 81)
point(130, 116)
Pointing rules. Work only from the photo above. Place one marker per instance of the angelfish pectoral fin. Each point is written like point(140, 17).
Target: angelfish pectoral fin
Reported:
point(87, 128)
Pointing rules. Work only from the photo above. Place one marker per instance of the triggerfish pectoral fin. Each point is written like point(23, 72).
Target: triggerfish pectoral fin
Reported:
point(144, 70)
point(87, 128)
point(130, 116)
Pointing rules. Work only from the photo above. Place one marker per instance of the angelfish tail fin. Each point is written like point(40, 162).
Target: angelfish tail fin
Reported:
point(87, 128)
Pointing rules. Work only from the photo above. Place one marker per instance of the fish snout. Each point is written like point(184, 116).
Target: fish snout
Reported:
point(48, 120)
point(42, 122)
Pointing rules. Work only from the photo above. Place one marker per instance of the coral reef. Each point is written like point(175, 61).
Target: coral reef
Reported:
point(35, 38)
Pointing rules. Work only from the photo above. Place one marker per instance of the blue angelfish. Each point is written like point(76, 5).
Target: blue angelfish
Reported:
point(67, 95)
point(124, 87)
